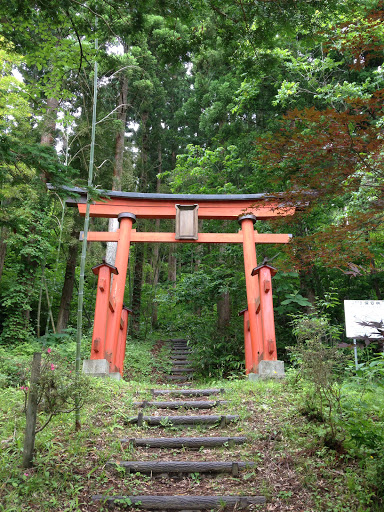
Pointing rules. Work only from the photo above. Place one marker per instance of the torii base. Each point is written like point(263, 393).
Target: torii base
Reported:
point(115, 376)
point(269, 370)
point(96, 367)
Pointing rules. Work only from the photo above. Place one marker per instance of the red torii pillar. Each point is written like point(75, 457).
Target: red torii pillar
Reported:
point(103, 271)
point(264, 274)
point(247, 342)
point(122, 339)
point(118, 287)
point(252, 285)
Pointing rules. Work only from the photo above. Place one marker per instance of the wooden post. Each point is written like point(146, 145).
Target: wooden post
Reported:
point(122, 339)
point(30, 427)
point(118, 287)
point(253, 298)
point(265, 274)
point(103, 272)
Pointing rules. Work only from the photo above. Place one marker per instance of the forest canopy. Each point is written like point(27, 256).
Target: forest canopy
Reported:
point(193, 97)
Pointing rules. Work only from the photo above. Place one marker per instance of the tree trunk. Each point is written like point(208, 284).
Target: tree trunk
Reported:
point(118, 167)
point(156, 247)
point(49, 127)
point(144, 152)
point(375, 281)
point(110, 253)
point(137, 285)
point(223, 311)
point(49, 123)
point(156, 273)
point(223, 302)
point(172, 264)
point(3, 249)
point(67, 291)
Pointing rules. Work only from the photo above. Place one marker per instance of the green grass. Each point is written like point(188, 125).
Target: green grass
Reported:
point(296, 470)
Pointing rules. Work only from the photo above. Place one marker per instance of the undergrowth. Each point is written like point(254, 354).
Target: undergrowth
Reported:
point(298, 468)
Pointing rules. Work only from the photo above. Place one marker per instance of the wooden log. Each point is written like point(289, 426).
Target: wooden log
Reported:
point(175, 369)
point(184, 442)
point(190, 404)
point(180, 502)
point(187, 392)
point(135, 466)
point(206, 419)
point(31, 413)
point(180, 361)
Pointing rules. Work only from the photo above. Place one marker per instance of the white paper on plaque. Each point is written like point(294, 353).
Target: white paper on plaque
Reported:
point(357, 311)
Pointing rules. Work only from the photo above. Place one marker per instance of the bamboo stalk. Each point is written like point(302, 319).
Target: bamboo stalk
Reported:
point(84, 246)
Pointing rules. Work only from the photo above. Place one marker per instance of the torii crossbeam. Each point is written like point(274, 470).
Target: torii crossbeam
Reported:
point(109, 335)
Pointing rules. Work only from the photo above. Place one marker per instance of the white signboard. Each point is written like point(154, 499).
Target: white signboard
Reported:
point(357, 311)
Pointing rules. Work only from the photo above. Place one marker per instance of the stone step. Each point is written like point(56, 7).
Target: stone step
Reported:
point(189, 404)
point(206, 419)
point(187, 392)
point(185, 442)
point(181, 502)
point(171, 467)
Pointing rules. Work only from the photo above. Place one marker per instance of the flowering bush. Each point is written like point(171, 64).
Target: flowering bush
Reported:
point(57, 389)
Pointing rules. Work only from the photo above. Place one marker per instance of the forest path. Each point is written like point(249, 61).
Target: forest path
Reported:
point(182, 470)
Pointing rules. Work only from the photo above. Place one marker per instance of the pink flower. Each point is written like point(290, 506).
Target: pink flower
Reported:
point(52, 366)
point(49, 350)
point(26, 474)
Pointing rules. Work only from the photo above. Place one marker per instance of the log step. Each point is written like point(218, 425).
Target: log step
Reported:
point(206, 419)
point(184, 442)
point(135, 466)
point(175, 369)
point(179, 502)
point(178, 378)
point(190, 404)
point(187, 392)
point(181, 361)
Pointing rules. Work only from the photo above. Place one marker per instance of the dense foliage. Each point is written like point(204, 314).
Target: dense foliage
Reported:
point(199, 97)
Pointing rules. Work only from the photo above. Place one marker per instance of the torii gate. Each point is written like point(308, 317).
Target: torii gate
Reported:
point(111, 316)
